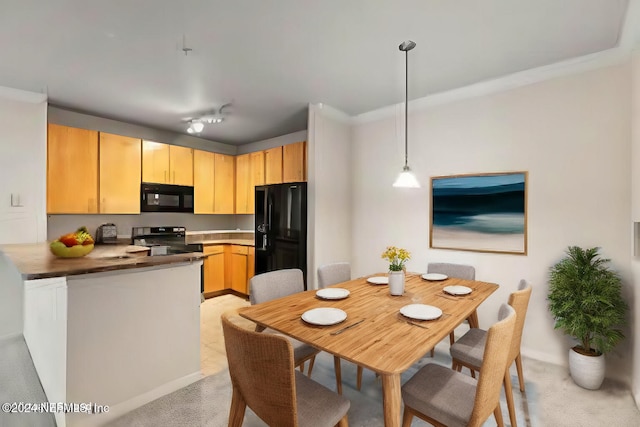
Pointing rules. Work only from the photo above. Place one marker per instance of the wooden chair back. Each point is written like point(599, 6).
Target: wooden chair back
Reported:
point(493, 367)
point(262, 373)
point(519, 300)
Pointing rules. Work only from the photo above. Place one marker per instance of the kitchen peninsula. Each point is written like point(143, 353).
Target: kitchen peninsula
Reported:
point(109, 328)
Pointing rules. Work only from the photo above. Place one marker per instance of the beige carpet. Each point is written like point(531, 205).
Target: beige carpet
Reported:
point(207, 402)
point(551, 398)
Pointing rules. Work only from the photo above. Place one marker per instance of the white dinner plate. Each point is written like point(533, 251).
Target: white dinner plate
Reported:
point(332, 293)
point(421, 311)
point(435, 276)
point(378, 280)
point(457, 290)
point(324, 316)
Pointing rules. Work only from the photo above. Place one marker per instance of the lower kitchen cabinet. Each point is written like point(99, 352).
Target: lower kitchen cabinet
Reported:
point(214, 268)
point(228, 267)
point(239, 268)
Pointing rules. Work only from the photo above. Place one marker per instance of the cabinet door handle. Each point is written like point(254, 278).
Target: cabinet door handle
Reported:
point(103, 205)
point(174, 177)
point(165, 176)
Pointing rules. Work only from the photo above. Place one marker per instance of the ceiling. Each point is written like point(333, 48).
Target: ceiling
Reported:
point(124, 59)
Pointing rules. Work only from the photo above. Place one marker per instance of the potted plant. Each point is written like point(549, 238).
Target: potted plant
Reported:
point(586, 301)
point(397, 258)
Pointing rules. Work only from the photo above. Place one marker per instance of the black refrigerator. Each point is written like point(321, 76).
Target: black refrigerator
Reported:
point(281, 227)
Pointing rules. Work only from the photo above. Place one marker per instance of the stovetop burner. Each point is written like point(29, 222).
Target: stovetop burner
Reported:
point(173, 238)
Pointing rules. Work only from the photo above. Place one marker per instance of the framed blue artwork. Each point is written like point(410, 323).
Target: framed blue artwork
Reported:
point(480, 212)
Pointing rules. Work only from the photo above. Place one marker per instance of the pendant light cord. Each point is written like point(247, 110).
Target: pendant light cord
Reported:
point(406, 109)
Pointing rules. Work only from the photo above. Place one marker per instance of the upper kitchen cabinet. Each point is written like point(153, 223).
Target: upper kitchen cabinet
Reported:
point(249, 173)
point(167, 164)
point(273, 165)
point(120, 168)
point(72, 170)
point(294, 162)
point(223, 182)
point(203, 181)
point(213, 182)
point(181, 165)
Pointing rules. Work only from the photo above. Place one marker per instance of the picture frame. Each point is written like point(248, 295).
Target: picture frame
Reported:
point(483, 212)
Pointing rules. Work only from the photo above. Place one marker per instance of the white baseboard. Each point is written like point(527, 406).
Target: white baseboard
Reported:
point(11, 335)
point(122, 408)
point(542, 356)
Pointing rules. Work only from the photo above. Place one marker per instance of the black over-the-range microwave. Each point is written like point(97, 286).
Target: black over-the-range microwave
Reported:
point(165, 198)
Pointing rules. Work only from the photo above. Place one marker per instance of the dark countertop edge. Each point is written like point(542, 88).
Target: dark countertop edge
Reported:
point(101, 269)
point(239, 242)
point(139, 262)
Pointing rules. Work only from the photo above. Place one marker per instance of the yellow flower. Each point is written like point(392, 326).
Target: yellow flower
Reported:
point(396, 257)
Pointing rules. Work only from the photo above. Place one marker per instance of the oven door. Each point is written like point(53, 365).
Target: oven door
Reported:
point(166, 198)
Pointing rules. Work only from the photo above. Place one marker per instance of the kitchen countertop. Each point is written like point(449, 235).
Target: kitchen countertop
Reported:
point(196, 232)
point(241, 242)
point(35, 260)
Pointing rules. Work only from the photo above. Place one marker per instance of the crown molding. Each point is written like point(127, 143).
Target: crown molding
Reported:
point(22, 95)
point(330, 112)
point(606, 58)
point(630, 34)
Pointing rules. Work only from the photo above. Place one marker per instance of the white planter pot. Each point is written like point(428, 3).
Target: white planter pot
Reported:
point(396, 282)
point(586, 371)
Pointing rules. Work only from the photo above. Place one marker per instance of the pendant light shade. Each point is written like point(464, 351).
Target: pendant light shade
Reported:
point(406, 178)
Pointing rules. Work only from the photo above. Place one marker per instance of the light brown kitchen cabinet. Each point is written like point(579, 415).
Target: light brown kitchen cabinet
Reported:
point(223, 182)
point(203, 182)
point(167, 164)
point(214, 268)
point(72, 170)
point(213, 182)
point(181, 165)
point(239, 268)
point(294, 162)
point(242, 184)
point(249, 173)
point(251, 267)
point(273, 165)
point(120, 170)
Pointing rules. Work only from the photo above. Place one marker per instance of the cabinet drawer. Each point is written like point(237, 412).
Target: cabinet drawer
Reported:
point(213, 249)
point(240, 250)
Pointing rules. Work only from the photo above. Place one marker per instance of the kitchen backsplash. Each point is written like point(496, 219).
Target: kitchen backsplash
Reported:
point(58, 225)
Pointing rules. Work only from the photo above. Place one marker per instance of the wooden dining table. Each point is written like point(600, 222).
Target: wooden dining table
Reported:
point(385, 342)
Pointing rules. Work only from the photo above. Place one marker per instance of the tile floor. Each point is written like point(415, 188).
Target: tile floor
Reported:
point(213, 357)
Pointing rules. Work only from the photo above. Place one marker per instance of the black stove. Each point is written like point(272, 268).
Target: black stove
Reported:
point(170, 240)
point(173, 238)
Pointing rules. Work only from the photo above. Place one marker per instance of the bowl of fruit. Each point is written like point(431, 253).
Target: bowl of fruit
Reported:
point(73, 245)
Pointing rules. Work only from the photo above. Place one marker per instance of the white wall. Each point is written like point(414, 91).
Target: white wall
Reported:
point(572, 134)
point(635, 215)
point(23, 166)
point(329, 189)
point(62, 224)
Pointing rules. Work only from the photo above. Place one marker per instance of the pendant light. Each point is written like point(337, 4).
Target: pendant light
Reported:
point(406, 178)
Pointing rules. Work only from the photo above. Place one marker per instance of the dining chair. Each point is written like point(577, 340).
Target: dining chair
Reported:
point(468, 350)
point(277, 284)
point(263, 377)
point(444, 397)
point(460, 271)
point(331, 274)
